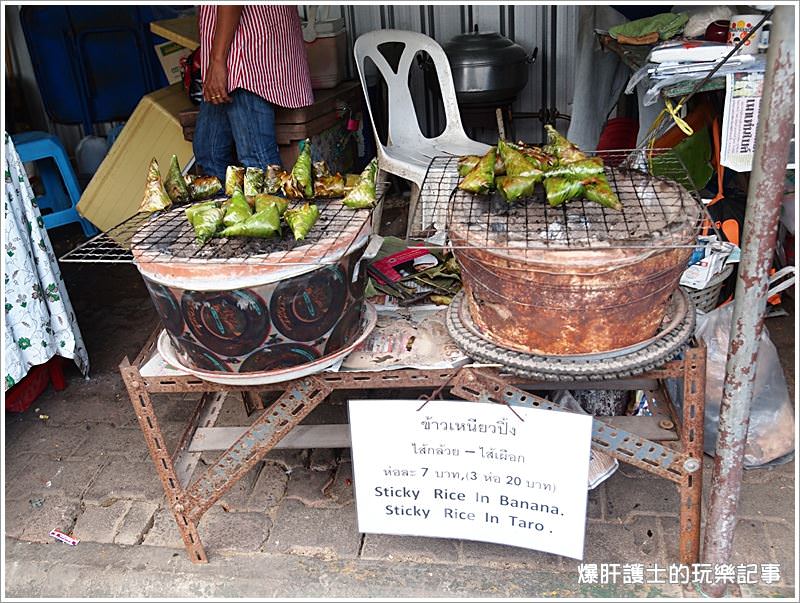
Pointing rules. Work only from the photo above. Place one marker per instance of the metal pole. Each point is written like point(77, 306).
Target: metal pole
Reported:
point(758, 245)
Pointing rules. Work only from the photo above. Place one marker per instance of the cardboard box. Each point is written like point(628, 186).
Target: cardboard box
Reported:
point(153, 130)
point(169, 55)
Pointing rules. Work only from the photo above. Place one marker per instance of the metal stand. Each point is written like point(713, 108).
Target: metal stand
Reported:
point(678, 460)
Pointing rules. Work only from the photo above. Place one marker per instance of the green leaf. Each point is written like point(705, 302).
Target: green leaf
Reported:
point(694, 153)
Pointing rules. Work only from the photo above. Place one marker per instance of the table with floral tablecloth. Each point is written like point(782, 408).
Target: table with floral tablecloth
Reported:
point(39, 320)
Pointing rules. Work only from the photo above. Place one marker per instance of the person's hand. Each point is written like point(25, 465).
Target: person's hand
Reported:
point(215, 86)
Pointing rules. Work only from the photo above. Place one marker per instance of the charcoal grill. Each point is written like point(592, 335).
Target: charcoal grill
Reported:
point(247, 305)
point(576, 279)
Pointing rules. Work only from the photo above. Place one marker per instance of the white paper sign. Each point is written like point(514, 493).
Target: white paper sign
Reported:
point(472, 471)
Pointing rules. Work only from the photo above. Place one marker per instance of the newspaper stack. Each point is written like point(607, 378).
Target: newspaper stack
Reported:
point(677, 61)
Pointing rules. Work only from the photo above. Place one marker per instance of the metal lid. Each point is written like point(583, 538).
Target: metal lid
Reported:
point(483, 48)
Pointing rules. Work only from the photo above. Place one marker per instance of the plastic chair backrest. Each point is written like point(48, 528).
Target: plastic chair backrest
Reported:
point(403, 129)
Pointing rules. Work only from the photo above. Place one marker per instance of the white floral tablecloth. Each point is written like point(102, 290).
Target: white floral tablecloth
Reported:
point(39, 320)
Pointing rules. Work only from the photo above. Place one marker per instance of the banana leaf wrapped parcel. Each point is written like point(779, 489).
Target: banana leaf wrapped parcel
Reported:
point(480, 179)
point(234, 179)
point(301, 219)
point(560, 147)
point(273, 178)
point(331, 185)
point(561, 190)
point(599, 191)
point(262, 224)
point(291, 188)
point(351, 181)
point(155, 197)
point(467, 162)
point(516, 163)
point(203, 187)
point(578, 170)
point(263, 200)
point(237, 209)
point(363, 195)
point(197, 208)
point(253, 181)
point(174, 183)
point(301, 172)
point(539, 158)
point(206, 223)
point(513, 188)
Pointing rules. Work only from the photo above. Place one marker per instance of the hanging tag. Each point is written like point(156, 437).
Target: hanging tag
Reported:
point(352, 124)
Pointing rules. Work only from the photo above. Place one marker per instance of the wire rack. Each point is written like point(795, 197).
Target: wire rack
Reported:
point(659, 209)
point(168, 237)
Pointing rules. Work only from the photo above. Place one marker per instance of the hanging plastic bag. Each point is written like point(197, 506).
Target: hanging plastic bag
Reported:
point(770, 434)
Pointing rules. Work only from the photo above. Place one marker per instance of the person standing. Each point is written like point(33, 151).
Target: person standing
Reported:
point(252, 59)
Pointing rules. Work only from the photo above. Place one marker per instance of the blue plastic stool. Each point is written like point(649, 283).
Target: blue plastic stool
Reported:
point(56, 174)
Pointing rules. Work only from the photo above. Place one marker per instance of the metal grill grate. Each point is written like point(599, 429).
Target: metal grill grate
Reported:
point(168, 237)
point(658, 211)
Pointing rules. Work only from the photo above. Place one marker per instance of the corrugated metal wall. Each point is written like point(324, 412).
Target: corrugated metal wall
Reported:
point(529, 26)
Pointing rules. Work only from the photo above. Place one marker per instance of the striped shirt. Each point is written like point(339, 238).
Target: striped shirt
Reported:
point(267, 54)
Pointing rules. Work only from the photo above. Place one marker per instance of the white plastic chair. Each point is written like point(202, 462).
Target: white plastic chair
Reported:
point(407, 152)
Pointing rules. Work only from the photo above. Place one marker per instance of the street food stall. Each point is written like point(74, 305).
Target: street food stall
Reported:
point(550, 268)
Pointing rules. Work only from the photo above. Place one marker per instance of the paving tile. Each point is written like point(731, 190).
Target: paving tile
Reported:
point(103, 440)
point(414, 549)
point(290, 459)
point(122, 479)
point(595, 502)
point(627, 497)
point(270, 488)
point(164, 531)
point(310, 487)
point(136, 523)
point(323, 459)
point(43, 475)
point(233, 413)
point(762, 592)
point(33, 523)
point(103, 398)
point(175, 408)
point(635, 541)
point(41, 437)
point(99, 523)
point(301, 530)
point(232, 531)
point(341, 489)
point(749, 542)
point(236, 499)
point(782, 545)
point(498, 555)
point(769, 499)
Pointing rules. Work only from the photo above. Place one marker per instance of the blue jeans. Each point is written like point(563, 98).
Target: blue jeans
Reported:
point(247, 124)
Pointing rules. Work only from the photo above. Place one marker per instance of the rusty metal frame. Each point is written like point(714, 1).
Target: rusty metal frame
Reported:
point(681, 463)
point(759, 232)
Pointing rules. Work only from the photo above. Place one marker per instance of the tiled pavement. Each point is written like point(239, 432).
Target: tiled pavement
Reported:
point(289, 527)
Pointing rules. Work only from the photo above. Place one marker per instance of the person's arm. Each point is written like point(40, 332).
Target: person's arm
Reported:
point(215, 85)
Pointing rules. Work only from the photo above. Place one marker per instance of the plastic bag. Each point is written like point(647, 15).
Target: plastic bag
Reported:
point(770, 435)
point(601, 465)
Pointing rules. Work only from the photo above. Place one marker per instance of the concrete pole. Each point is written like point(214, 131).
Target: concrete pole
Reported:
point(758, 244)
